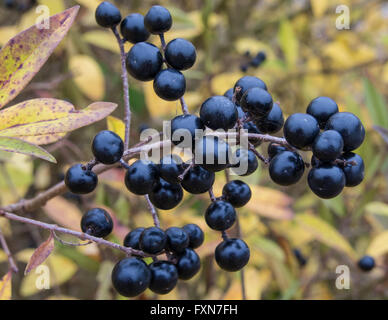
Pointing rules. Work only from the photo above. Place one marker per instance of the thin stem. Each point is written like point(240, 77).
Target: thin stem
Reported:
point(242, 274)
point(124, 78)
point(162, 41)
point(72, 244)
point(258, 154)
point(186, 171)
point(153, 211)
point(211, 194)
point(185, 108)
point(11, 261)
point(80, 235)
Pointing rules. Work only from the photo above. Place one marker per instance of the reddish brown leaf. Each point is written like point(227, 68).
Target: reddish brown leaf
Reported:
point(40, 254)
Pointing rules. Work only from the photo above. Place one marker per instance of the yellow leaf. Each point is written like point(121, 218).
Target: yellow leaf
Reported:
point(116, 125)
point(158, 107)
point(256, 281)
point(234, 292)
point(319, 7)
point(64, 213)
point(224, 81)
point(102, 39)
point(6, 287)
point(289, 43)
point(379, 245)
point(324, 232)
point(53, 6)
point(90, 4)
point(88, 76)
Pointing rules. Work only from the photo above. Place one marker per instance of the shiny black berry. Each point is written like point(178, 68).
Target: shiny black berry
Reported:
point(232, 254)
point(164, 277)
point(328, 145)
point(245, 162)
point(141, 177)
point(180, 54)
point(350, 128)
point(170, 84)
point(131, 277)
point(366, 263)
point(196, 235)
point(132, 28)
point(144, 61)
point(171, 167)
point(97, 222)
point(229, 94)
point(80, 181)
point(107, 147)
point(165, 195)
point(212, 153)
point(153, 240)
point(326, 180)
point(322, 108)
point(237, 193)
point(220, 215)
point(198, 180)
point(286, 168)
point(158, 20)
point(177, 239)
point(300, 130)
point(272, 122)
point(274, 149)
point(257, 102)
point(354, 172)
point(132, 238)
point(184, 128)
point(188, 264)
point(248, 82)
point(107, 15)
point(218, 112)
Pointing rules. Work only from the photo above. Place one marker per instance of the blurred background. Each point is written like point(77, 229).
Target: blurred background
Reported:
point(297, 240)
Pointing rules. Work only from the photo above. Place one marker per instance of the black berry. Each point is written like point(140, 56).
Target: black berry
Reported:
point(131, 277)
point(248, 82)
point(144, 61)
point(272, 122)
point(132, 28)
point(158, 20)
point(180, 54)
point(220, 215)
point(366, 263)
point(300, 130)
point(183, 130)
point(196, 235)
point(170, 84)
point(322, 108)
point(141, 177)
point(232, 254)
point(218, 112)
point(274, 149)
point(177, 239)
point(164, 277)
point(80, 181)
point(250, 127)
point(257, 102)
point(132, 238)
point(107, 15)
point(153, 240)
point(229, 94)
point(107, 147)
point(286, 168)
point(165, 195)
point(188, 264)
point(171, 167)
point(354, 173)
point(212, 153)
point(245, 162)
point(237, 193)
point(328, 145)
point(97, 222)
point(326, 180)
point(198, 180)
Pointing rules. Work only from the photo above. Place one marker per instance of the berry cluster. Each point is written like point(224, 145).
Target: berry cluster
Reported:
point(249, 108)
point(253, 62)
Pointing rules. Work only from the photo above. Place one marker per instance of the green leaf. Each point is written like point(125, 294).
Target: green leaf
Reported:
point(288, 42)
point(23, 56)
point(376, 104)
point(16, 145)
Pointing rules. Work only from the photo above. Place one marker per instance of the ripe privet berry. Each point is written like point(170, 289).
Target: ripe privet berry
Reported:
point(196, 235)
point(315, 161)
point(132, 238)
point(229, 94)
point(322, 108)
point(350, 128)
point(272, 122)
point(183, 129)
point(132, 28)
point(144, 61)
point(328, 145)
point(250, 127)
point(302, 261)
point(180, 54)
point(246, 83)
point(366, 263)
point(218, 112)
point(164, 277)
point(141, 177)
point(153, 240)
point(165, 195)
point(245, 162)
point(300, 130)
point(107, 15)
point(107, 147)
point(232, 254)
point(220, 215)
point(158, 20)
point(326, 180)
point(237, 193)
point(257, 102)
point(286, 168)
point(171, 167)
point(188, 264)
point(80, 181)
point(170, 84)
point(177, 239)
point(240, 112)
point(198, 180)
point(354, 173)
point(131, 276)
point(274, 149)
point(97, 222)
point(212, 153)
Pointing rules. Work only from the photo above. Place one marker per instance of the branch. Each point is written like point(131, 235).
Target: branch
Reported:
point(153, 211)
point(11, 261)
